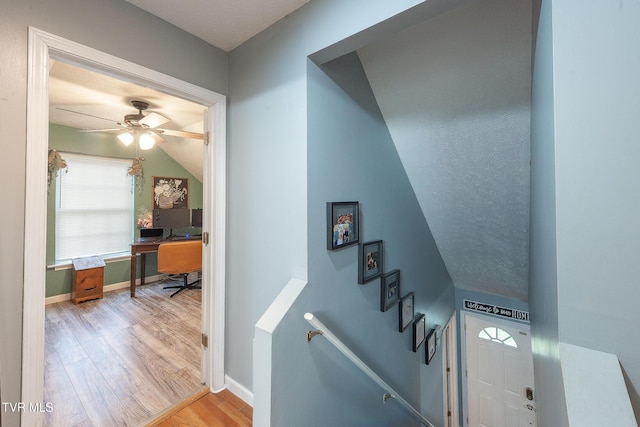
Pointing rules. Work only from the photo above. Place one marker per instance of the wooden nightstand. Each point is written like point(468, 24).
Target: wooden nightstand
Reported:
point(87, 280)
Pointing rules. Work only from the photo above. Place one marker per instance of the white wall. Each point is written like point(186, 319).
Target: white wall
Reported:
point(115, 27)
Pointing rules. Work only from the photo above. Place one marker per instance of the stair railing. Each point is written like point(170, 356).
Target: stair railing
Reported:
point(390, 393)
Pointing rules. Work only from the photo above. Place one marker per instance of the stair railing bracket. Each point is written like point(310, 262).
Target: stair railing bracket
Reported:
point(312, 334)
point(387, 396)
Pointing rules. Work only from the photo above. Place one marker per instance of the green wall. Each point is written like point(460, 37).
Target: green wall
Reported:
point(156, 163)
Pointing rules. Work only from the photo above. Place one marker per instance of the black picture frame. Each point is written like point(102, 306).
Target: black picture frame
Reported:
point(431, 347)
point(343, 224)
point(389, 290)
point(370, 261)
point(419, 330)
point(406, 311)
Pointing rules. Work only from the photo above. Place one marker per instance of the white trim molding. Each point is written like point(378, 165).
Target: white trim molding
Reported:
point(263, 348)
point(42, 47)
point(239, 390)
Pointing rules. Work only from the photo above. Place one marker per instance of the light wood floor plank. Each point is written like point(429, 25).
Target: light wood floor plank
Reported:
point(119, 361)
point(67, 408)
point(94, 393)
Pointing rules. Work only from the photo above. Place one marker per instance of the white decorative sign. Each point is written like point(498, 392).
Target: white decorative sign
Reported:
point(495, 310)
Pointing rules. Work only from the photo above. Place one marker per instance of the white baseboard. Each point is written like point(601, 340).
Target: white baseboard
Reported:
point(239, 390)
point(106, 288)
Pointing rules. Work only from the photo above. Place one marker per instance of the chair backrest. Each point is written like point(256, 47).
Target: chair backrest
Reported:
point(180, 257)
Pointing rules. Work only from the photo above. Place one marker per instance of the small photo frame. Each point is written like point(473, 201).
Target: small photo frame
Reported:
point(406, 311)
point(419, 329)
point(343, 224)
point(389, 290)
point(370, 261)
point(431, 348)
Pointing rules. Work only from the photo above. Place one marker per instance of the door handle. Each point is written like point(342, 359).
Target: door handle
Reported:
point(528, 393)
point(529, 406)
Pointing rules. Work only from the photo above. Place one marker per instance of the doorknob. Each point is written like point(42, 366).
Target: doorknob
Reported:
point(528, 393)
point(529, 406)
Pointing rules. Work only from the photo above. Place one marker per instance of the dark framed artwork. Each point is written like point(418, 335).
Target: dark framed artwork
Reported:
point(170, 193)
point(389, 290)
point(419, 329)
point(406, 311)
point(370, 261)
point(430, 349)
point(343, 224)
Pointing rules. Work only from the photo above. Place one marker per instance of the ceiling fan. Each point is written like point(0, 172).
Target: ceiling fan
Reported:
point(141, 127)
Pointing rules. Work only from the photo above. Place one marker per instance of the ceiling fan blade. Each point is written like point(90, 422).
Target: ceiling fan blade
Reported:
point(181, 134)
point(86, 114)
point(156, 136)
point(153, 120)
point(101, 130)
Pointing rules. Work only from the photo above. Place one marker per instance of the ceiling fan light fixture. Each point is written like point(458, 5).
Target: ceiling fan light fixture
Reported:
point(126, 138)
point(146, 141)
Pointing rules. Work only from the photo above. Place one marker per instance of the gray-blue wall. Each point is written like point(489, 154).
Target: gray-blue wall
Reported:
point(267, 152)
point(351, 157)
point(596, 104)
point(584, 221)
point(543, 281)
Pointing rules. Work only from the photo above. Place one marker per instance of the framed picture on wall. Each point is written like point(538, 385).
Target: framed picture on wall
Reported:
point(419, 329)
point(430, 349)
point(343, 224)
point(406, 311)
point(170, 193)
point(389, 290)
point(369, 261)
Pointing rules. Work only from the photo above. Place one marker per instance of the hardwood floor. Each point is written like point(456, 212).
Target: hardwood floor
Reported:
point(210, 410)
point(121, 361)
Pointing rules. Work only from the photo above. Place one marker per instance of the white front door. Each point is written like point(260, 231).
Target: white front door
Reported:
point(499, 370)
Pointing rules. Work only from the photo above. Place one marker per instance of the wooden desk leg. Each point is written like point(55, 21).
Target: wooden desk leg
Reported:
point(143, 264)
point(132, 283)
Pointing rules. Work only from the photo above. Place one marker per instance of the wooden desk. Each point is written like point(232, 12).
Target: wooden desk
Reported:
point(142, 248)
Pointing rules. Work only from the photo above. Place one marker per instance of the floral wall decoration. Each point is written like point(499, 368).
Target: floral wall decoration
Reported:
point(54, 165)
point(170, 193)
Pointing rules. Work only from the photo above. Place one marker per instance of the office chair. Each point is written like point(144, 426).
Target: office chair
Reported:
point(182, 258)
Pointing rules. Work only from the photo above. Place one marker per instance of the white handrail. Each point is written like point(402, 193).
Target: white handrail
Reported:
point(390, 392)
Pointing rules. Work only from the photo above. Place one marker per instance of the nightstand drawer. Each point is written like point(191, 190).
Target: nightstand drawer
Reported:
point(87, 284)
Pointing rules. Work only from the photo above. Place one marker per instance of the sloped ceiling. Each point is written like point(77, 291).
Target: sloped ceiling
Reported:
point(83, 99)
point(455, 93)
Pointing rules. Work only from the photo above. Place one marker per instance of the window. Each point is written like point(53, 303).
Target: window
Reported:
point(94, 207)
point(494, 334)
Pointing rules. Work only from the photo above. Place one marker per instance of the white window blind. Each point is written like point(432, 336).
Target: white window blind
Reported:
point(94, 207)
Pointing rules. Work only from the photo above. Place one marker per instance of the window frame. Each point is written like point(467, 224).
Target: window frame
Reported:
point(124, 163)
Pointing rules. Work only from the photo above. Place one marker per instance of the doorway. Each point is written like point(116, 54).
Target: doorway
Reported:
point(44, 47)
point(499, 373)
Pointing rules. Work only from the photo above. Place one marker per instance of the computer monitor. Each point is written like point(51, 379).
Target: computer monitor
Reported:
point(196, 217)
point(171, 218)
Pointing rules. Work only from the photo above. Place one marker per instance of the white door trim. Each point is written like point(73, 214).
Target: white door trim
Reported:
point(463, 350)
point(43, 46)
point(450, 360)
